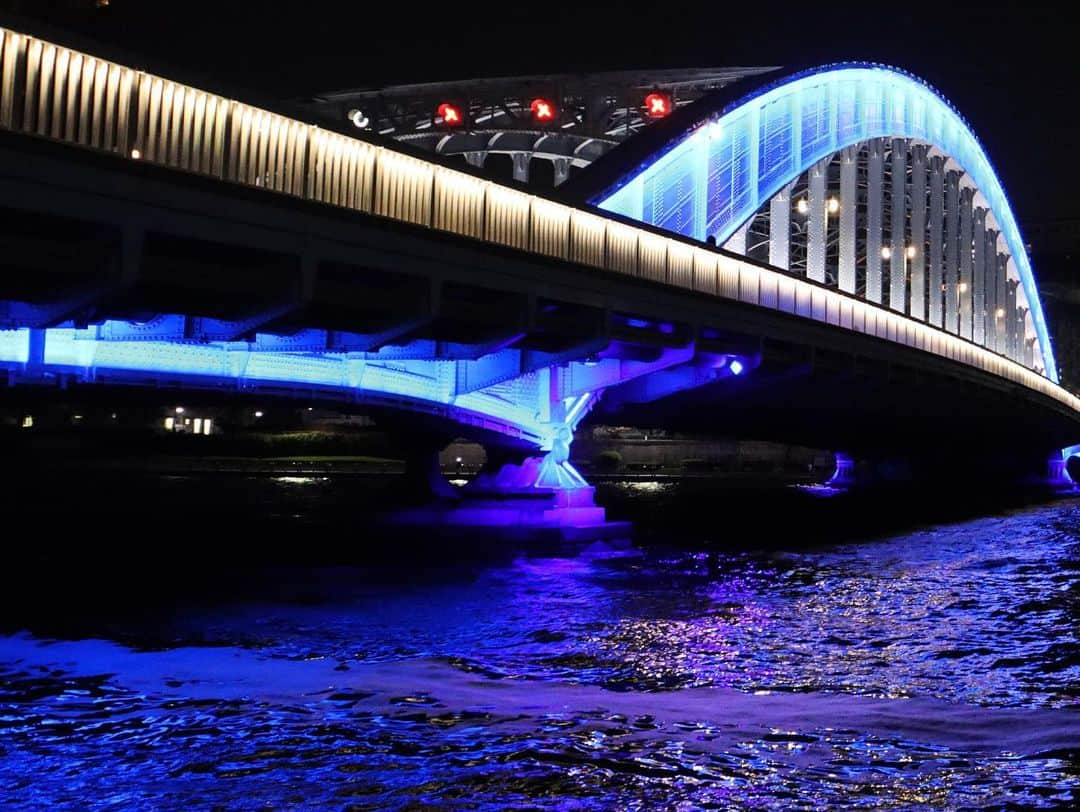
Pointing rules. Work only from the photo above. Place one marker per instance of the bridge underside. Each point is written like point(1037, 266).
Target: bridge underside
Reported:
point(176, 281)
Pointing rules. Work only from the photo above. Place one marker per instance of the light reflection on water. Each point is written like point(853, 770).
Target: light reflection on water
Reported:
point(634, 681)
point(300, 480)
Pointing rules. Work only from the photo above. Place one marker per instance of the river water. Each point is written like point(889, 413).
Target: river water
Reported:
point(935, 668)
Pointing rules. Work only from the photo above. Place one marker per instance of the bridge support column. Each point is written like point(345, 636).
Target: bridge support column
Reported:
point(1062, 469)
point(897, 231)
point(1009, 319)
point(875, 181)
point(521, 166)
point(849, 158)
point(918, 232)
point(952, 251)
point(992, 303)
point(967, 197)
point(780, 228)
point(997, 274)
point(989, 269)
point(737, 241)
point(937, 224)
point(475, 158)
point(1002, 282)
point(1018, 339)
point(817, 222)
point(978, 279)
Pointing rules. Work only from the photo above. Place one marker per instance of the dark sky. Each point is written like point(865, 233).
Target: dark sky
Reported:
point(1011, 70)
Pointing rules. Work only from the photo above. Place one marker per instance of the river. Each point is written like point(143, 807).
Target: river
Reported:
point(937, 667)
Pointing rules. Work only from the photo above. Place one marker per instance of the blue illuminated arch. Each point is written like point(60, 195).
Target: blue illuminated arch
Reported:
point(715, 170)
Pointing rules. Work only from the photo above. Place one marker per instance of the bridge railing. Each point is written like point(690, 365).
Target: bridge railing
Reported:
point(55, 92)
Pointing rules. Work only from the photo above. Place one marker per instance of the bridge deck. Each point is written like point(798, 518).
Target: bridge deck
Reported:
point(54, 93)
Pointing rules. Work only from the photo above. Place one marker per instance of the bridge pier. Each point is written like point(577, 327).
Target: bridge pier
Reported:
point(1063, 469)
point(537, 497)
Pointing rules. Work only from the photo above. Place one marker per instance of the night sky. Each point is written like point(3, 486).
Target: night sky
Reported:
point(1011, 71)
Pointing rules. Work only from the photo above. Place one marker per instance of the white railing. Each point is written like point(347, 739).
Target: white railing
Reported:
point(55, 92)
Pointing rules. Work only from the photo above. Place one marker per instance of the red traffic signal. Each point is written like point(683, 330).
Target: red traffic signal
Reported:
point(542, 110)
point(657, 105)
point(450, 114)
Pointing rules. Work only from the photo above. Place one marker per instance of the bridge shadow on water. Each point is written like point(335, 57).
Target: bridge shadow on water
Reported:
point(90, 546)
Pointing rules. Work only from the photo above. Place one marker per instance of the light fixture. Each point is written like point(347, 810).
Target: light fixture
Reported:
point(802, 206)
point(179, 409)
point(736, 367)
point(450, 114)
point(657, 105)
point(258, 414)
point(886, 252)
point(1000, 312)
point(136, 154)
point(910, 252)
point(542, 110)
point(962, 287)
point(834, 205)
point(359, 120)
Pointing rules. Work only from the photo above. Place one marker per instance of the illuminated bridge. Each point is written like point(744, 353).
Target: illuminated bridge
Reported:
point(825, 258)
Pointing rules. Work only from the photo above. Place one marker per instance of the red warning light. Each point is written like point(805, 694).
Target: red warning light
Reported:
point(542, 110)
point(450, 115)
point(657, 105)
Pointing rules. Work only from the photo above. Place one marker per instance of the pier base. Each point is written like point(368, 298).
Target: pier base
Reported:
point(1062, 469)
point(518, 500)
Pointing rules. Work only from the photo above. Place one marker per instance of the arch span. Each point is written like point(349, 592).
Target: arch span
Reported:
point(724, 157)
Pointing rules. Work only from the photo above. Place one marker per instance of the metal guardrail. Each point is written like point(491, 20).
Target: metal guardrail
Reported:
point(55, 92)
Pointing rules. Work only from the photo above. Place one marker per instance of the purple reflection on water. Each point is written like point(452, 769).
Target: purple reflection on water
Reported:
point(933, 669)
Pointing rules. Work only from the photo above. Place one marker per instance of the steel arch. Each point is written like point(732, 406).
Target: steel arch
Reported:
point(725, 161)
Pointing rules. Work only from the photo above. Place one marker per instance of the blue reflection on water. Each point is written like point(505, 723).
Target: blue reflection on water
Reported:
point(933, 669)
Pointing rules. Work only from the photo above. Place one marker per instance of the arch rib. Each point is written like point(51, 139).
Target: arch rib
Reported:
point(760, 142)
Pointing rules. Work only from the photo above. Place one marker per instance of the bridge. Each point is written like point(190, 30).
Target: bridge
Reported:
point(160, 236)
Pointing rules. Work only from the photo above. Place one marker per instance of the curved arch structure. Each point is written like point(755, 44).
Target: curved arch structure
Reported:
point(730, 157)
